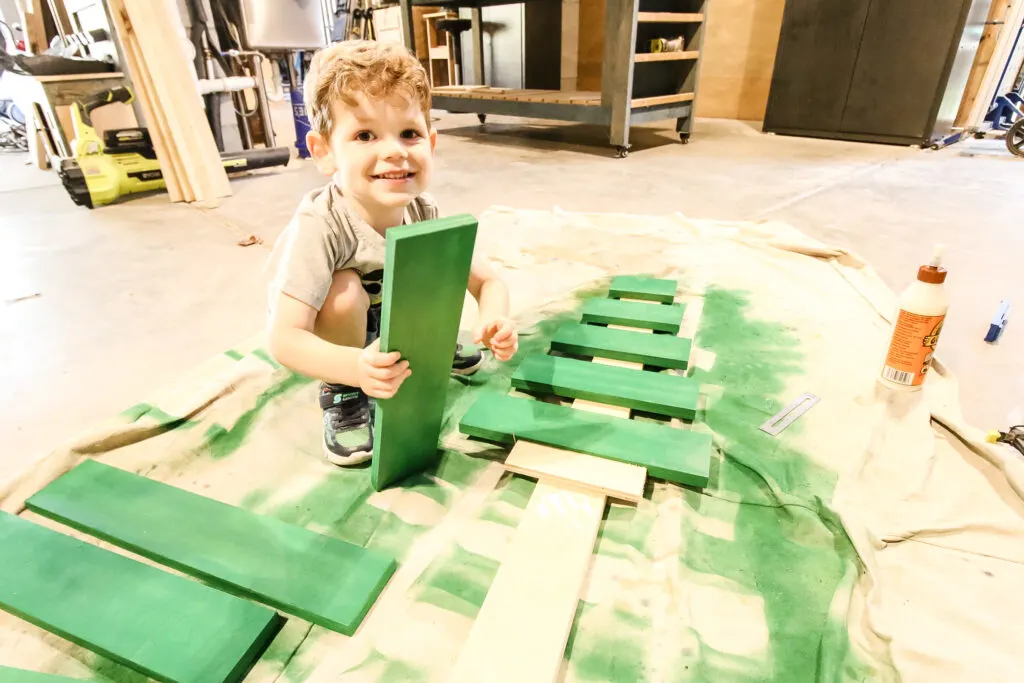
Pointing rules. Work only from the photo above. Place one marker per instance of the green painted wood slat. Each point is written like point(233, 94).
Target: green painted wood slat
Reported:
point(656, 350)
point(162, 625)
point(643, 288)
point(252, 555)
point(678, 455)
point(652, 392)
point(647, 316)
point(426, 272)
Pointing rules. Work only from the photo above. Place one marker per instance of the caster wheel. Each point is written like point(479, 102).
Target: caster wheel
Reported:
point(935, 148)
point(684, 138)
point(1015, 138)
point(482, 118)
point(621, 152)
point(979, 136)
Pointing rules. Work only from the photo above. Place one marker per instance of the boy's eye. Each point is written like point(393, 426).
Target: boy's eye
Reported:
point(411, 134)
point(364, 136)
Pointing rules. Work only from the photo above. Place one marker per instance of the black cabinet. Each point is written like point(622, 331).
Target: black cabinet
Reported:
point(873, 70)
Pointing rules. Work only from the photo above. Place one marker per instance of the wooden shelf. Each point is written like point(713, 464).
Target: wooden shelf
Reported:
point(592, 99)
point(667, 56)
point(662, 99)
point(669, 18)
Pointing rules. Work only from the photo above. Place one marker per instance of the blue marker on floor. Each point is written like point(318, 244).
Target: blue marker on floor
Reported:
point(998, 323)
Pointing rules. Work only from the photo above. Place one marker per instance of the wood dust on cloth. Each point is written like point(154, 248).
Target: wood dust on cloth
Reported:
point(877, 539)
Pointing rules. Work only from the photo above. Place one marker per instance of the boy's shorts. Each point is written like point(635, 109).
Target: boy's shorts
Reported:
point(372, 323)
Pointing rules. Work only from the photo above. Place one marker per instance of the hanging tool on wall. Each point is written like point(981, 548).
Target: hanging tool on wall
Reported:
point(361, 27)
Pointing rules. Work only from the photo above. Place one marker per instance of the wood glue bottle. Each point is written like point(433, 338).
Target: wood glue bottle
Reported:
point(923, 308)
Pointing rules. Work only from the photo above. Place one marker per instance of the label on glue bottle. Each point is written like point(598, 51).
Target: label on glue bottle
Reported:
point(912, 348)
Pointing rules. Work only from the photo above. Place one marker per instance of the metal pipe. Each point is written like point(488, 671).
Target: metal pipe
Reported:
point(261, 91)
point(228, 84)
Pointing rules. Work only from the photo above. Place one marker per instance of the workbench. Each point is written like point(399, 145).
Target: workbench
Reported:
point(44, 99)
point(637, 86)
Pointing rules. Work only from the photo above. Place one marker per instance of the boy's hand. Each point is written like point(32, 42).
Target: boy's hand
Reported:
point(500, 336)
point(380, 374)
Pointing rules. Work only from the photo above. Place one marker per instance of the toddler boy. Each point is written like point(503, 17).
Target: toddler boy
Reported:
point(369, 110)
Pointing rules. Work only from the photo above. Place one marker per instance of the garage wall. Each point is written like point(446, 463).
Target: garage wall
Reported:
point(740, 40)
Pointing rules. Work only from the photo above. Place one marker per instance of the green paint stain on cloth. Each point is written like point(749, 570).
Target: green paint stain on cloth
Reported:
point(106, 670)
point(149, 411)
point(788, 547)
point(608, 645)
point(624, 526)
point(457, 581)
point(759, 557)
point(222, 442)
point(457, 469)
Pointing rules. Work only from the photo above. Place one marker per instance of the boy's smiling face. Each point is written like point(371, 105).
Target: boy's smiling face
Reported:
point(381, 154)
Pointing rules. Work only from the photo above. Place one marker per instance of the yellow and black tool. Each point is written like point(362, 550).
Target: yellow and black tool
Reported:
point(123, 161)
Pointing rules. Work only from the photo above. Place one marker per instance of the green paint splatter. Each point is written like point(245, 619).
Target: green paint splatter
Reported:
point(624, 526)
point(400, 672)
point(393, 670)
point(516, 490)
point(608, 645)
point(781, 522)
point(424, 485)
point(457, 468)
point(222, 442)
point(147, 410)
point(103, 669)
point(457, 581)
point(234, 355)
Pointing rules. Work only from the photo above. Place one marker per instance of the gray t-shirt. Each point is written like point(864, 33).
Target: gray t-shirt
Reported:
point(325, 236)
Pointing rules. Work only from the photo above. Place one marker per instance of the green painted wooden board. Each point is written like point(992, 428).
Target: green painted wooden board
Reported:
point(678, 455)
point(644, 288)
point(321, 579)
point(657, 317)
point(426, 272)
point(653, 392)
point(656, 350)
point(9, 675)
point(165, 626)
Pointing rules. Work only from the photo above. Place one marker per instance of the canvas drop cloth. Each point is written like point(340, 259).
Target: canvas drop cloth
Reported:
point(878, 539)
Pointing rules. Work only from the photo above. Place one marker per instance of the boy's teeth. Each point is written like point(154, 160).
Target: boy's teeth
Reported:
point(394, 176)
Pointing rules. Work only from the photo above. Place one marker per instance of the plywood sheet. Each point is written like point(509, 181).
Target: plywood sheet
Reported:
point(737, 58)
point(618, 480)
point(521, 630)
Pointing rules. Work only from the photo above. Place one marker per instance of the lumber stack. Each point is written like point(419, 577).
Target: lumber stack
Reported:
point(150, 33)
point(522, 628)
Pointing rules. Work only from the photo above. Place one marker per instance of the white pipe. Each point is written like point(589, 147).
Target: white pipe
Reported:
point(229, 84)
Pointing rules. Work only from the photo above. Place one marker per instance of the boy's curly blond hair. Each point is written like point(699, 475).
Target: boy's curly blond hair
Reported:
point(377, 70)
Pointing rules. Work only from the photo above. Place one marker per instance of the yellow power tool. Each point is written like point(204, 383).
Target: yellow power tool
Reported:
point(123, 161)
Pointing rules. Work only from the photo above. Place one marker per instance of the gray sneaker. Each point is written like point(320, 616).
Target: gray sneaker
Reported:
point(348, 424)
point(466, 363)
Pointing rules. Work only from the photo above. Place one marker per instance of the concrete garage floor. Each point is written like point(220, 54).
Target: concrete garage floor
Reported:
point(122, 300)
